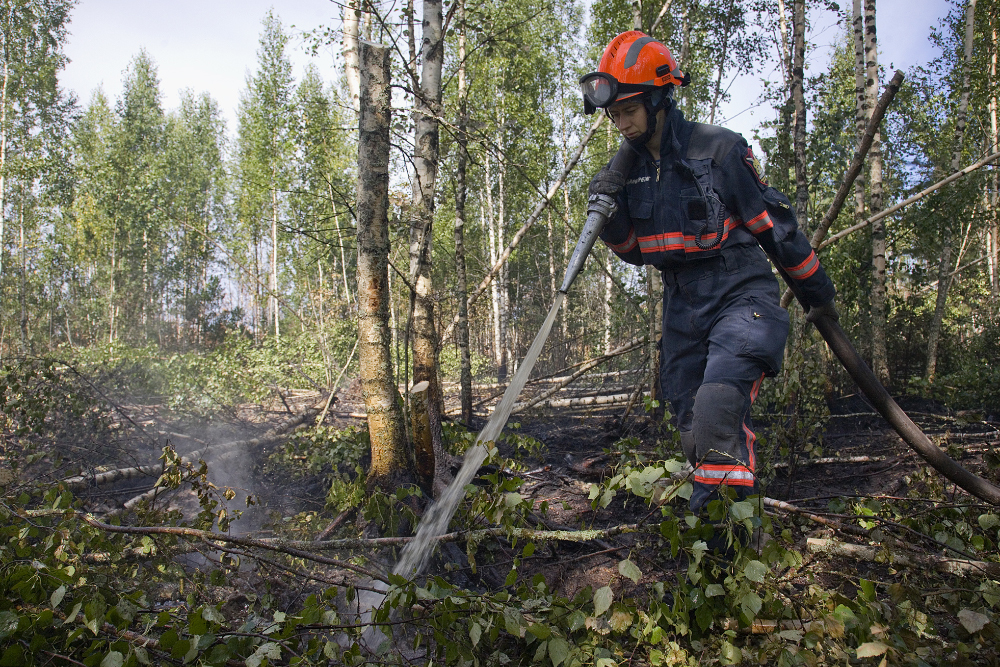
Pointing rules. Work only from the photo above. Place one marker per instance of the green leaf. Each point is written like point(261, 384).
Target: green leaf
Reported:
point(210, 613)
point(630, 570)
point(143, 657)
point(57, 596)
point(871, 649)
point(13, 656)
point(741, 510)
point(269, 650)
point(755, 571)
point(475, 633)
point(602, 600)
point(513, 621)
point(751, 603)
point(730, 654)
point(713, 590)
point(113, 659)
point(558, 651)
point(541, 631)
point(988, 521)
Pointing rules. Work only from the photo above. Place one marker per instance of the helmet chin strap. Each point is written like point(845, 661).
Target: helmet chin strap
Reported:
point(653, 102)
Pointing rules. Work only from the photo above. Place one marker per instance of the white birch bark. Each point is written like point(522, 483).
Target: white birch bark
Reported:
point(351, 19)
point(880, 358)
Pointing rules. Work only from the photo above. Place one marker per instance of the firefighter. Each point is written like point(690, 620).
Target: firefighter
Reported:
point(696, 206)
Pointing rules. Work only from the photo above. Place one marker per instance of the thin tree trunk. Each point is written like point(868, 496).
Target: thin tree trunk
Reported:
point(461, 280)
point(3, 144)
point(490, 219)
point(425, 159)
point(607, 312)
point(723, 56)
point(861, 113)
point(799, 100)
point(504, 277)
point(273, 285)
point(944, 264)
point(636, 14)
point(343, 256)
point(880, 358)
point(352, 16)
point(390, 460)
point(995, 176)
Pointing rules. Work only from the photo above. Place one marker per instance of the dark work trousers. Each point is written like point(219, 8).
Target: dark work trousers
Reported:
point(723, 332)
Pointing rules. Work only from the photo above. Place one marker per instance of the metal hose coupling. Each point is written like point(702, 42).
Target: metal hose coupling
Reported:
point(600, 208)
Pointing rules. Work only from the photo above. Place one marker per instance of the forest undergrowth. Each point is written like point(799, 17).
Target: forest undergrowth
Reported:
point(140, 532)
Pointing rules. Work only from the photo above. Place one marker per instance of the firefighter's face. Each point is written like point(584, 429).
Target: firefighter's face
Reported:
point(629, 117)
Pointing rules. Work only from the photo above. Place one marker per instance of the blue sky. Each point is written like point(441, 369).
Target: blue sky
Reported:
point(211, 45)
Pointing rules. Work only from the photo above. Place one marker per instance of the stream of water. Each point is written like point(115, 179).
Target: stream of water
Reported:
point(435, 521)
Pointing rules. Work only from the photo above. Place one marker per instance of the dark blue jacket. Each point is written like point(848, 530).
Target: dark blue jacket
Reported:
point(707, 195)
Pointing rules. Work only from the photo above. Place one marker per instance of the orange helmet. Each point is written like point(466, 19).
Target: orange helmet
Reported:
point(633, 63)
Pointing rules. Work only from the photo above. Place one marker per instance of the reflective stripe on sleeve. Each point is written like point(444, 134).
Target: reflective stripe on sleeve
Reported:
point(805, 269)
point(760, 223)
point(626, 245)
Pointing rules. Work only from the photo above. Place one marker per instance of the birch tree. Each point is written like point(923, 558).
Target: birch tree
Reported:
point(947, 232)
point(391, 462)
point(264, 150)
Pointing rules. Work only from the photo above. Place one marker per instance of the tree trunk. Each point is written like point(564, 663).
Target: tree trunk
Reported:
point(607, 311)
point(425, 159)
point(3, 147)
point(861, 113)
point(352, 16)
point(799, 100)
point(272, 298)
point(461, 281)
point(391, 462)
point(944, 263)
point(880, 360)
point(636, 14)
point(994, 200)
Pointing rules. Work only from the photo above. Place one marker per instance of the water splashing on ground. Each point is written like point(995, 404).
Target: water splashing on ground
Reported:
point(435, 521)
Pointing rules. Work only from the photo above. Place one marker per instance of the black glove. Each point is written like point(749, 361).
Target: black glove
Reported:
point(828, 309)
point(607, 182)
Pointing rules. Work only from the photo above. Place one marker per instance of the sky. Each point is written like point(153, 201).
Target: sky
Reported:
point(211, 46)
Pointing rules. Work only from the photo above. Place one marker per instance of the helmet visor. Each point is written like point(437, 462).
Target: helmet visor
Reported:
point(601, 90)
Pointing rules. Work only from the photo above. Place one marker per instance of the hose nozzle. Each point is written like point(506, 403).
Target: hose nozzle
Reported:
point(600, 208)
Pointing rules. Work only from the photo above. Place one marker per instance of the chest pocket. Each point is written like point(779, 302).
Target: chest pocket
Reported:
point(703, 212)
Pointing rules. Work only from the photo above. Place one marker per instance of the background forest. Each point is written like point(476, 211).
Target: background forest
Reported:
point(157, 259)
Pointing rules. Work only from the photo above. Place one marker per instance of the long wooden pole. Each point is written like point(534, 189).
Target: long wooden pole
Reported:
point(906, 202)
point(857, 164)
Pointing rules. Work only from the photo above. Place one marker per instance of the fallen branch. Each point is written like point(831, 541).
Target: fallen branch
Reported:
point(857, 164)
point(906, 202)
point(539, 208)
point(81, 482)
point(273, 544)
point(822, 520)
point(875, 554)
point(300, 548)
point(627, 347)
point(833, 459)
point(587, 401)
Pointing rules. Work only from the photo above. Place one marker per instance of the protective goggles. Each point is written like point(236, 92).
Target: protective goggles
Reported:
point(601, 90)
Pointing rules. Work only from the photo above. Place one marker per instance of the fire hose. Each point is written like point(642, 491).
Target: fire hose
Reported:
point(601, 208)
